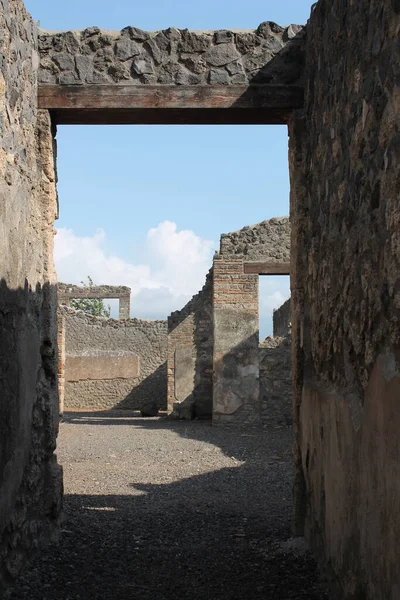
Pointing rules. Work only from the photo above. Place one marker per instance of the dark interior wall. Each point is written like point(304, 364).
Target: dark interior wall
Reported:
point(345, 216)
point(30, 480)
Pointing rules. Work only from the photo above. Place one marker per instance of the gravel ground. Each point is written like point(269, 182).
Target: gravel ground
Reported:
point(166, 510)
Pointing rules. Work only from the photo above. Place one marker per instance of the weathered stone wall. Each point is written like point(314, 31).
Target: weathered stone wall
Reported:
point(67, 291)
point(236, 396)
point(190, 356)
point(281, 320)
point(270, 54)
point(345, 215)
point(268, 240)
point(30, 479)
point(87, 336)
point(236, 391)
point(276, 381)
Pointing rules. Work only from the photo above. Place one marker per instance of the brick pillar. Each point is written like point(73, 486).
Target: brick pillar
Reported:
point(236, 395)
point(61, 359)
point(125, 307)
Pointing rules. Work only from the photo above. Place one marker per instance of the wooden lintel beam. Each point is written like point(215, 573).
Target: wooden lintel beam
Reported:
point(267, 268)
point(167, 104)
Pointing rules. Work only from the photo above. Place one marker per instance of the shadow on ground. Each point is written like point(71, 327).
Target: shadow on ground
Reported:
point(216, 535)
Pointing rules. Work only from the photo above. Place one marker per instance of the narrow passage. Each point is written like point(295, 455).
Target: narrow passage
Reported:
point(161, 510)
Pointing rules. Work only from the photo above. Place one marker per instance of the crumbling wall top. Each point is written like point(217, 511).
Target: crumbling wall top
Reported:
point(265, 241)
point(269, 54)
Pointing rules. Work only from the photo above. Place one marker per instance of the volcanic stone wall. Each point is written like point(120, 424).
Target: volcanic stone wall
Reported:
point(30, 479)
point(190, 356)
point(268, 240)
point(276, 381)
point(269, 54)
point(236, 369)
point(135, 349)
point(345, 161)
point(281, 320)
point(68, 291)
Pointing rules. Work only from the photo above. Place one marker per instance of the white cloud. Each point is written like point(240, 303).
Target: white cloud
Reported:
point(174, 267)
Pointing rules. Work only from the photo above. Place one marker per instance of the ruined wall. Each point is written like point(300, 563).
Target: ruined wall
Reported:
point(136, 352)
point(268, 240)
point(30, 480)
point(281, 320)
point(345, 214)
point(270, 54)
point(68, 291)
point(236, 391)
point(236, 355)
point(190, 356)
point(275, 356)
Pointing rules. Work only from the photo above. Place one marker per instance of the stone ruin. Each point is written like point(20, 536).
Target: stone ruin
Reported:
point(335, 85)
point(158, 365)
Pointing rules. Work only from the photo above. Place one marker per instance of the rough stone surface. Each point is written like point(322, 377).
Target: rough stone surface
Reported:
point(30, 479)
point(69, 291)
point(270, 54)
point(134, 339)
point(268, 240)
point(281, 320)
point(276, 381)
point(190, 356)
point(345, 214)
point(236, 397)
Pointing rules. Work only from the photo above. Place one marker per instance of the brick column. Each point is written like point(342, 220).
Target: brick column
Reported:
point(61, 360)
point(125, 307)
point(236, 396)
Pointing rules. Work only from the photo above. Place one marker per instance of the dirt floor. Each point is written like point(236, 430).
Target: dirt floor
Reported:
point(165, 510)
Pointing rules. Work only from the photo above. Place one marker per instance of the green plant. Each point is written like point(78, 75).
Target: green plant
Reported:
point(91, 306)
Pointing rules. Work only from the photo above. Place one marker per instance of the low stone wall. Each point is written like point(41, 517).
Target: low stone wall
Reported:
point(269, 54)
point(190, 356)
point(282, 320)
point(276, 381)
point(134, 350)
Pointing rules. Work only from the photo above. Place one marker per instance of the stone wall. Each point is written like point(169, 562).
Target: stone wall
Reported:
point(268, 240)
point(282, 320)
point(236, 355)
point(345, 214)
point(269, 54)
point(135, 350)
point(276, 381)
point(30, 479)
point(190, 356)
point(236, 391)
point(68, 291)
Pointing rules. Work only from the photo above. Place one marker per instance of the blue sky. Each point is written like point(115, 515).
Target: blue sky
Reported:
point(123, 189)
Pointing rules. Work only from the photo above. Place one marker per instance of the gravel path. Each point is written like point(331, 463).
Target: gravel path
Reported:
point(161, 510)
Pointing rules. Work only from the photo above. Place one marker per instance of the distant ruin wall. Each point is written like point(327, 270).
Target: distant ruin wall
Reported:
point(268, 240)
point(67, 292)
point(270, 54)
point(236, 389)
point(131, 354)
point(345, 161)
point(190, 356)
point(281, 320)
point(276, 381)
point(30, 479)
